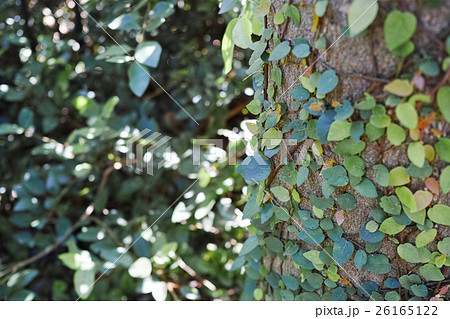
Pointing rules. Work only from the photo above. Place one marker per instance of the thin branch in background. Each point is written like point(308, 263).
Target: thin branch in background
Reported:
point(51, 248)
point(28, 31)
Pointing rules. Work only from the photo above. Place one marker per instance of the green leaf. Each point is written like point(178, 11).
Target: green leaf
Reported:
point(399, 27)
point(412, 254)
point(226, 6)
point(444, 246)
point(339, 130)
point(138, 78)
point(443, 149)
point(355, 166)
point(321, 203)
point(419, 290)
point(368, 104)
point(346, 201)
point(276, 75)
point(300, 94)
point(391, 205)
point(361, 14)
point(342, 251)
point(336, 176)
point(280, 193)
point(250, 244)
point(416, 154)
point(271, 138)
point(289, 174)
point(425, 237)
point(274, 244)
point(399, 87)
point(292, 12)
point(290, 281)
point(327, 82)
point(254, 107)
point(8, 128)
point(141, 268)
point(443, 101)
point(407, 115)
point(390, 227)
point(444, 180)
point(302, 175)
point(242, 33)
point(366, 188)
point(301, 50)
point(382, 175)
point(431, 273)
point(360, 259)
point(320, 7)
point(83, 281)
point(148, 53)
point(405, 49)
point(228, 46)
point(398, 177)
point(262, 9)
point(440, 214)
point(349, 147)
point(278, 18)
point(406, 197)
point(422, 199)
point(378, 264)
point(254, 169)
point(280, 51)
point(395, 134)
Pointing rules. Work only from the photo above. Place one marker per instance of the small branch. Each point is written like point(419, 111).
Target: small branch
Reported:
point(50, 248)
point(281, 37)
point(28, 30)
point(440, 84)
point(266, 71)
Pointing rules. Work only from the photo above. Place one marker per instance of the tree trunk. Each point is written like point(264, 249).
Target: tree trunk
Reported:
point(363, 65)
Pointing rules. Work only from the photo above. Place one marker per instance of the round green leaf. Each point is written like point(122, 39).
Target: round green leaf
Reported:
point(361, 15)
point(399, 27)
point(416, 154)
point(443, 101)
point(425, 237)
point(327, 82)
point(407, 115)
point(390, 227)
point(398, 177)
point(395, 134)
point(148, 53)
point(440, 214)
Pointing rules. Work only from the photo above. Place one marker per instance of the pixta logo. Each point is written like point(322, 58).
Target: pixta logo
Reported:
point(144, 148)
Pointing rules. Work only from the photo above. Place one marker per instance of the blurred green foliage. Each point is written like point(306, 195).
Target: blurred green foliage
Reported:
point(70, 209)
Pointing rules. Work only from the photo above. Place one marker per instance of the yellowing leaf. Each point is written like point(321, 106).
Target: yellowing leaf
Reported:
point(400, 87)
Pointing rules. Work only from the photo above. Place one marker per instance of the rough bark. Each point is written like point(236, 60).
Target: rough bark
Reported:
point(351, 58)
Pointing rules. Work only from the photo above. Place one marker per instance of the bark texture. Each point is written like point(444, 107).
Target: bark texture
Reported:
point(351, 58)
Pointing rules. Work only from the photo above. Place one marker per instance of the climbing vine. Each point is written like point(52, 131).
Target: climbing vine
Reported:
point(286, 151)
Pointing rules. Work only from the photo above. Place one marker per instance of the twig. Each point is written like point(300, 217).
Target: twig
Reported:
point(50, 248)
point(28, 30)
point(281, 37)
point(266, 71)
point(440, 84)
